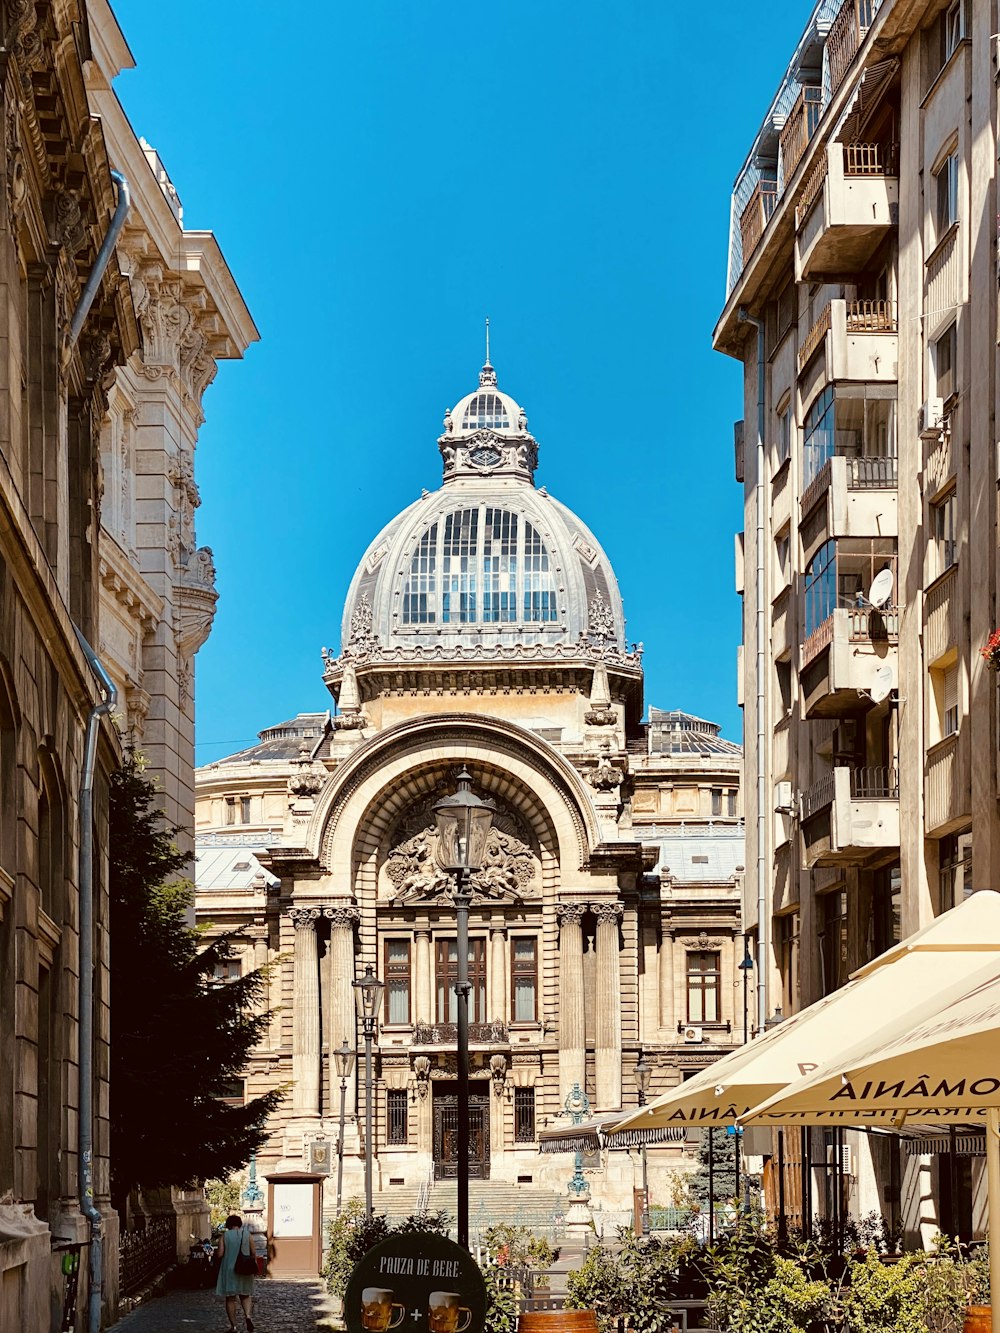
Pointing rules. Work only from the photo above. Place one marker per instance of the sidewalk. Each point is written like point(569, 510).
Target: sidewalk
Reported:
point(279, 1306)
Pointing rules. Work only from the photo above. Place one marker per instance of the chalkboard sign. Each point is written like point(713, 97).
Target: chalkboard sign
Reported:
point(417, 1282)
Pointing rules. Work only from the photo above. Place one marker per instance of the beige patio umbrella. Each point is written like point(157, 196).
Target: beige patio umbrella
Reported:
point(929, 964)
point(941, 1061)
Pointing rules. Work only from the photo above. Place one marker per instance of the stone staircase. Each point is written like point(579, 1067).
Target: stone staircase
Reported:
point(490, 1202)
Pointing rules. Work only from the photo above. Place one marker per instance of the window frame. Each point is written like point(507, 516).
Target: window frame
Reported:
point(946, 193)
point(701, 984)
point(446, 977)
point(394, 973)
point(944, 530)
point(517, 974)
point(524, 1115)
point(397, 1118)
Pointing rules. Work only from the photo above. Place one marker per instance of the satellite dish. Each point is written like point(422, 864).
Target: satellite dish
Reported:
point(881, 589)
point(882, 684)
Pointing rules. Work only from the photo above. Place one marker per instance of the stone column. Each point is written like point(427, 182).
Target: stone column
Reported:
point(423, 984)
point(305, 1012)
point(499, 1005)
point(608, 1003)
point(343, 1009)
point(667, 947)
point(572, 1020)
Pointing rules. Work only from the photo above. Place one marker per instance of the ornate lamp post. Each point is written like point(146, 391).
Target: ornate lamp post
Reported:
point(643, 1073)
point(746, 967)
point(368, 993)
point(343, 1058)
point(463, 825)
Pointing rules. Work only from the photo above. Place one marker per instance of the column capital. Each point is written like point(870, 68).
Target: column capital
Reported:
point(342, 918)
point(608, 913)
point(304, 918)
point(570, 914)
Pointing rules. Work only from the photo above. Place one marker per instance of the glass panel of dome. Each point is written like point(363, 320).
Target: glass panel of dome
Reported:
point(420, 593)
point(458, 566)
point(539, 589)
point(499, 566)
point(486, 412)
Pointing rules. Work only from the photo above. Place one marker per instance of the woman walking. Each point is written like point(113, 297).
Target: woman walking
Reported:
point(230, 1284)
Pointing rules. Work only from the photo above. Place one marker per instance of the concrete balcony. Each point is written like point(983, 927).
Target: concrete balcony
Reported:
point(857, 339)
point(850, 497)
point(849, 202)
point(840, 662)
point(850, 815)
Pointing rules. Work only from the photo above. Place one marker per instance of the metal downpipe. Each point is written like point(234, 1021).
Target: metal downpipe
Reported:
point(101, 263)
point(763, 916)
point(85, 1135)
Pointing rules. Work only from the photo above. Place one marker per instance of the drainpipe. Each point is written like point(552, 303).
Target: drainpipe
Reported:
point(85, 1139)
point(100, 264)
point(763, 915)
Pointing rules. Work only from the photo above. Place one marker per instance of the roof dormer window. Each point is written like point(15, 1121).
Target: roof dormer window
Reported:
point(486, 412)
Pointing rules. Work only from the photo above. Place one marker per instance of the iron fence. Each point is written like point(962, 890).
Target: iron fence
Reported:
point(145, 1253)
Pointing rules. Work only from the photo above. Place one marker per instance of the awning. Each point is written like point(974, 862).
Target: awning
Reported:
point(874, 82)
point(590, 1135)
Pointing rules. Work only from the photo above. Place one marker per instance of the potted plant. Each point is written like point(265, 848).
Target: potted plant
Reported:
point(991, 650)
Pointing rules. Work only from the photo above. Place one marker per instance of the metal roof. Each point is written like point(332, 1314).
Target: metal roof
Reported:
point(228, 869)
point(700, 854)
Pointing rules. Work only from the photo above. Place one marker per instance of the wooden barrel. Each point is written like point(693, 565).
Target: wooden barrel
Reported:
point(567, 1321)
point(978, 1319)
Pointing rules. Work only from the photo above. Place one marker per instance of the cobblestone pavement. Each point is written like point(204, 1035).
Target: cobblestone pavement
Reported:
point(279, 1306)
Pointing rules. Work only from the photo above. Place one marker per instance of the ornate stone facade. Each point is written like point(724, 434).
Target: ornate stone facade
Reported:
point(577, 929)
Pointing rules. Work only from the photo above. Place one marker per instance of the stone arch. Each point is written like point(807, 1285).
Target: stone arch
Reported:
point(417, 757)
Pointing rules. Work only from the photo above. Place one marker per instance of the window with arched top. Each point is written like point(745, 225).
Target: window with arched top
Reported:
point(51, 839)
point(480, 566)
point(486, 412)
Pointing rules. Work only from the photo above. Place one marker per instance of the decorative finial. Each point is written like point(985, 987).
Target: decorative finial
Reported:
point(487, 376)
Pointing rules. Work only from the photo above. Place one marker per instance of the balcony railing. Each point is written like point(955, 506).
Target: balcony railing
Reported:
point(871, 317)
point(818, 797)
point(812, 189)
point(880, 783)
point(446, 1034)
point(870, 159)
point(814, 337)
point(849, 30)
point(800, 127)
point(943, 278)
point(873, 625)
point(872, 474)
point(755, 216)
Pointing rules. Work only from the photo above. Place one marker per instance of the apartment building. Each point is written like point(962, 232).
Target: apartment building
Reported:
point(862, 301)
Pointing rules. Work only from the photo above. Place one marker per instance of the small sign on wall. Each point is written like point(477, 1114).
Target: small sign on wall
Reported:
point(319, 1157)
point(419, 1282)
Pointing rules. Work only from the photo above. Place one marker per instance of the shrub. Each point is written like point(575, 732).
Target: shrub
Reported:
point(886, 1298)
point(350, 1236)
point(518, 1247)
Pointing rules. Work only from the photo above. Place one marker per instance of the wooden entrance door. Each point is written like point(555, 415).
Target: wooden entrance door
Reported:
point(446, 1133)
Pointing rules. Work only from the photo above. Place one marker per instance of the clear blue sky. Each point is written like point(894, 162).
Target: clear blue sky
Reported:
point(381, 175)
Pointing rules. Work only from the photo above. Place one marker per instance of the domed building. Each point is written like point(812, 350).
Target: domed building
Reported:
point(483, 630)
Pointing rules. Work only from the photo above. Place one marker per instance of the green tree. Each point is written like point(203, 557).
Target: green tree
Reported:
point(176, 1036)
point(723, 1167)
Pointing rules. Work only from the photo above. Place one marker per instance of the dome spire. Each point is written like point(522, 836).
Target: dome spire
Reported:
point(487, 376)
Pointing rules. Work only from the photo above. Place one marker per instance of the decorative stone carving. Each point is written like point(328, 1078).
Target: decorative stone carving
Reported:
point(307, 776)
point(362, 634)
point(70, 231)
point(608, 912)
point(600, 713)
point(422, 1070)
point(342, 918)
point(184, 679)
point(601, 623)
point(606, 776)
point(137, 703)
point(201, 568)
point(570, 914)
point(701, 942)
point(498, 1072)
point(350, 717)
point(507, 872)
point(17, 186)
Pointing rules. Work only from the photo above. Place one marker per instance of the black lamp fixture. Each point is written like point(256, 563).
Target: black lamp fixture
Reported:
point(463, 826)
point(643, 1074)
point(368, 995)
point(746, 967)
point(343, 1059)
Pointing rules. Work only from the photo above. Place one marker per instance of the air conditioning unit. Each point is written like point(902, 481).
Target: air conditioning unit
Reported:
point(931, 416)
point(783, 798)
point(846, 1160)
point(845, 739)
point(693, 1034)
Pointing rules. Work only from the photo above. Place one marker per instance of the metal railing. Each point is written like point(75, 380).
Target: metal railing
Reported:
point(800, 127)
point(848, 31)
point(756, 215)
point(870, 159)
point(871, 317)
point(446, 1034)
point(145, 1254)
point(872, 474)
point(815, 336)
point(877, 783)
point(812, 189)
point(818, 797)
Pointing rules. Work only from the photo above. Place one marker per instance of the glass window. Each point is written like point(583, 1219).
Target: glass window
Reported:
point(731, 802)
point(480, 566)
point(817, 437)
point(524, 1115)
point(951, 30)
point(244, 809)
point(703, 987)
point(946, 193)
point(954, 870)
point(784, 433)
point(395, 1107)
point(230, 809)
point(716, 800)
point(949, 725)
point(820, 586)
point(226, 970)
point(446, 977)
point(833, 940)
point(944, 364)
point(945, 523)
point(788, 961)
point(397, 980)
point(486, 412)
point(524, 980)
point(885, 928)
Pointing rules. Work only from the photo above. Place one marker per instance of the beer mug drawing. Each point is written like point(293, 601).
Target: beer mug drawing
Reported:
point(377, 1310)
point(444, 1309)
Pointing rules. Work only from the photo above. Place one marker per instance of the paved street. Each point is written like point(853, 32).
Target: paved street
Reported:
point(278, 1307)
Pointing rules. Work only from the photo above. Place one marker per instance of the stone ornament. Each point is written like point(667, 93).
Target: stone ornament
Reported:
point(362, 619)
point(570, 914)
point(601, 624)
point(608, 913)
point(307, 776)
point(422, 1070)
point(498, 1073)
point(606, 776)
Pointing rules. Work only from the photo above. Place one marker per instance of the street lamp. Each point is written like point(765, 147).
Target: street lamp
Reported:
point(463, 825)
point(643, 1073)
point(343, 1058)
point(368, 994)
